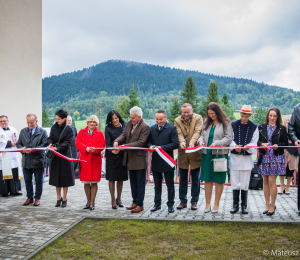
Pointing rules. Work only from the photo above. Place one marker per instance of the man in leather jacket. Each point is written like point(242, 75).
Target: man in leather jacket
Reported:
point(33, 136)
point(294, 134)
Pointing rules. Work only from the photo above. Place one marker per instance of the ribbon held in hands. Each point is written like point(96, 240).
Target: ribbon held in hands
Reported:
point(197, 148)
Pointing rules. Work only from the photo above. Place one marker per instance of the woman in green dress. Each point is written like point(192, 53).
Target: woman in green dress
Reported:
point(217, 131)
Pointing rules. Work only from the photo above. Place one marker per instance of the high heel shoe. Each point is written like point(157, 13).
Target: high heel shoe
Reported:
point(58, 203)
point(64, 203)
point(120, 205)
point(271, 213)
point(92, 207)
point(87, 206)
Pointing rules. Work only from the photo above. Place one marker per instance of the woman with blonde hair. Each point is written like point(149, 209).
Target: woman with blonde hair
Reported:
point(87, 141)
point(291, 157)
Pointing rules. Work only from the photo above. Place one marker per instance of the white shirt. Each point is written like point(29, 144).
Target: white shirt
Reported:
point(243, 162)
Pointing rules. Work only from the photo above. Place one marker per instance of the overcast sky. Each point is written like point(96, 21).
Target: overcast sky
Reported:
point(254, 39)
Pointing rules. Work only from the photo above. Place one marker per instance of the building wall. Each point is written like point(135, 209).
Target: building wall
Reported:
point(20, 60)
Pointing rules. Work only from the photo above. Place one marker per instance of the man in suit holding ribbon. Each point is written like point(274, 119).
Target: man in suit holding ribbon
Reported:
point(135, 134)
point(165, 136)
point(33, 136)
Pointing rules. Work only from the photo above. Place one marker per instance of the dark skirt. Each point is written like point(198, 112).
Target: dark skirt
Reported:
point(115, 171)
point(10, 186)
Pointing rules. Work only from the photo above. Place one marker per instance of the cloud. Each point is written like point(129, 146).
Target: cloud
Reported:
point(252, 39)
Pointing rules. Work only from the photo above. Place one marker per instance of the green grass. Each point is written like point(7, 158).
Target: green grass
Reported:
point(81, 124)
point(137, 239)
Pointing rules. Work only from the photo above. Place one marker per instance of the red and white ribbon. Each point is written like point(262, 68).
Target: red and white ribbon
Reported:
point(197, 148)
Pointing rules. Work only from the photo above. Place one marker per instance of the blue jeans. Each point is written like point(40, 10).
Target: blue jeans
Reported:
point(38, 175)
point(169, 178)
point(183, 185)
point(138, 185)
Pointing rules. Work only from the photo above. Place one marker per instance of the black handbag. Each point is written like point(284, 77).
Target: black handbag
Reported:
point(49, 154)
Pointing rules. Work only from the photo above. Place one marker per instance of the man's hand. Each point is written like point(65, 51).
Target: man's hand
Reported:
point(275, 146)
point(152, 146)
point(238, 148)
point(182, 145)
point(201, 143)
point(297, 143)
point(13, 143)
point(117, 150)
point(103, 154)
point(191, 145)
point(116, 144)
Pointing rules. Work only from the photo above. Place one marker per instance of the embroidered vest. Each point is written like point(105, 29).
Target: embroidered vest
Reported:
point(243, 134)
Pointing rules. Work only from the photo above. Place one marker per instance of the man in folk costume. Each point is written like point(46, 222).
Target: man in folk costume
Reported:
point(245, 133)
point(10, 170)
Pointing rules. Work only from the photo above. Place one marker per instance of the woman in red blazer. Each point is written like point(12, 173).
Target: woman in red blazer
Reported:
point(90, 172)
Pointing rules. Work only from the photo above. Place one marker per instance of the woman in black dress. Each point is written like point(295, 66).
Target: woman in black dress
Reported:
point(115, 171)
point(61, 171)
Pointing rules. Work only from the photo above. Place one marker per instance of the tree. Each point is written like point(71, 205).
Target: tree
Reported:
point(227, 108)
point(189, 94)
point(175, 111)
point(133, 98)
point(76, 115)
point(45, 119)
point(122, 107)
point(212, 96)
point(260, 116)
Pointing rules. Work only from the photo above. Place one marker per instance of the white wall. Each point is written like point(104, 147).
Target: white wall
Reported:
point(20, 60)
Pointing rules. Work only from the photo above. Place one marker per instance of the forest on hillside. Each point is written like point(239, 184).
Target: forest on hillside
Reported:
point(103, 85)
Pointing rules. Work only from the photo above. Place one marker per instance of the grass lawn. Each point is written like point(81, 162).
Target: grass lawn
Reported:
point(80, 124)
point(138, 239)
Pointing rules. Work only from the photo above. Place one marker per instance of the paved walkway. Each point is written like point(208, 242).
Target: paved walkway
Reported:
point(24, 229)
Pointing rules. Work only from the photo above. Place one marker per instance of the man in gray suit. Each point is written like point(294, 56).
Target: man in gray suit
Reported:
point(33, 136)
point(135, 134)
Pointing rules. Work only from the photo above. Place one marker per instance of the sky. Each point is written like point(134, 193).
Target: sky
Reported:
point(254, 39)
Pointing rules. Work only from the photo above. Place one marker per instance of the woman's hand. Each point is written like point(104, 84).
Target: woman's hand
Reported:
point(265, 144)
point(93, 150)
point(88, 149)
point(201, 143)
point(212, 145)
point(275, 146)
point(238, 148)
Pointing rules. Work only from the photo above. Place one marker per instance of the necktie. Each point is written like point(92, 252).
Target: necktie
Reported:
point(133, 127)
point(31, 132)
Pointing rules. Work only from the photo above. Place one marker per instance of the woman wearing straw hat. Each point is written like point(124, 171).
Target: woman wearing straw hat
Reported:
point(245, 133)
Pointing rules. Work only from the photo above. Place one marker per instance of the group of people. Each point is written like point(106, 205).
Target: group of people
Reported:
point(217, 134)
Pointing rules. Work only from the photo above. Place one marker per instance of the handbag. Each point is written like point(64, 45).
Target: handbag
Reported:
point(220, 164)
point(49, 154)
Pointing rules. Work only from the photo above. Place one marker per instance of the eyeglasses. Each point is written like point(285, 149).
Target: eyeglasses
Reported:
point(92, 122)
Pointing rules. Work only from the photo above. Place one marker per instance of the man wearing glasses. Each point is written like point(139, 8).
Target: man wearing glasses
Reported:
point(188, 126)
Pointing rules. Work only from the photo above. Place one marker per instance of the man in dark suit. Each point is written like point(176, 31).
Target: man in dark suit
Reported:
point(135, 134)
point(165, 136)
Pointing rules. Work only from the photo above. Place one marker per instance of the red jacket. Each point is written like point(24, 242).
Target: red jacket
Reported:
point(90, 170)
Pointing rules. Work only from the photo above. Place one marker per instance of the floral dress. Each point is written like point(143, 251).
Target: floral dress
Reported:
point(272, 164)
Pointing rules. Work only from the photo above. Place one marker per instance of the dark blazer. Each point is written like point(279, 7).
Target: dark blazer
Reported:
point(279, 137)
point(61, 172)
point(35, 159)
point(167, 139)
point(135, 159)
point(294, 125)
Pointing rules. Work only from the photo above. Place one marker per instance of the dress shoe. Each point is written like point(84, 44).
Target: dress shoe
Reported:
point(271, 213)
point(120, 205)
point(64, 203)
point(182, 205)
point(5, 195)
point(194, 206)
point(58, 203)
point(265, 211)
point(138, 209)
point(214, 211)
point(27, 202)
point(114, 207)
point(207, 210)
point(133, 206)
point(87, 206)
point(155, 208)
point(17, 194)
point(92, 207)
point(36, 202)
point(171, 209)
point(298, 212)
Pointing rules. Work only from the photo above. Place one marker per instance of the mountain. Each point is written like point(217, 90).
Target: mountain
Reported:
point(156, 85)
